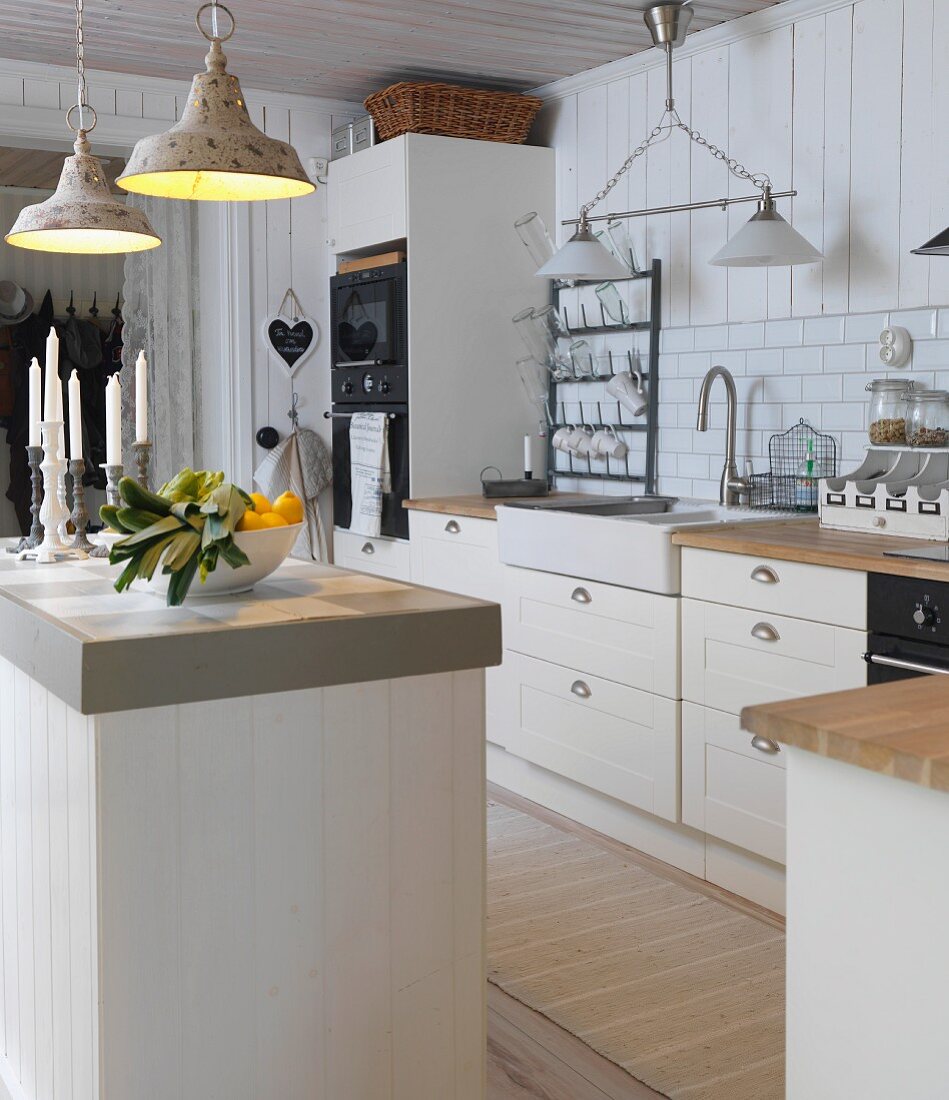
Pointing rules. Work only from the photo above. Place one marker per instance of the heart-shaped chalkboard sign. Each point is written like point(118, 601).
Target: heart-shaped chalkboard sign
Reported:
point(293, 338)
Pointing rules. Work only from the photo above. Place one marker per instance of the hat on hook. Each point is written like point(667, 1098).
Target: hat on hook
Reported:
point(16, 304)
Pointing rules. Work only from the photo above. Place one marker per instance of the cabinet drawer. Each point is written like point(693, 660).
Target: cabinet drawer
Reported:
point(734, 658)
point(620, 634)
point(730, 789)
point(456, 553)
point(383, 556)
point(609, 737)
point(816, 592)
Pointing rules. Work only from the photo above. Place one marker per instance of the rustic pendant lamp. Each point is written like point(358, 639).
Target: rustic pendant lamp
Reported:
point(215, 151)
point(82, 216)
point(766, 241)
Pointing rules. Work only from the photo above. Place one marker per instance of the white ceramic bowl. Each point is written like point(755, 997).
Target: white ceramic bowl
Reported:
point(267, 550)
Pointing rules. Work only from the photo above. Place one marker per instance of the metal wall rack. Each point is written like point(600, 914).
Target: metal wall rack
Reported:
point(595, 413)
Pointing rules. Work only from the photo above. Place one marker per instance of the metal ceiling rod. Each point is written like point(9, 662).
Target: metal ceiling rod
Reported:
point(711, 204)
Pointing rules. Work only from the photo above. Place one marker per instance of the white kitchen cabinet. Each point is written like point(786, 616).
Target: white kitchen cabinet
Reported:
point(384, 557)
point(366, 198)
point(456, 553)
point(733, 785)
point(733, 657)
point(608, 737)
point(620, 634)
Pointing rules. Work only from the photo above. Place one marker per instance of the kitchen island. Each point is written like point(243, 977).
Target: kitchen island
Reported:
point(868, 892)
point(242, 840)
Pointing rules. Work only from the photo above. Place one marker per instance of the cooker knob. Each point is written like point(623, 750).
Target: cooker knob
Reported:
point(384, 385)
point(347, 388)
point(923, 616)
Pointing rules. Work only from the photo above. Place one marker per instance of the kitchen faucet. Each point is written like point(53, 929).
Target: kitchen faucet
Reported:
point(732, 486)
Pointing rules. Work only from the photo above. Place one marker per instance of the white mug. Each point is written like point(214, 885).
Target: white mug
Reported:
point(606, 444)
point(629, 391)
point(580, 442)
point(560, 440)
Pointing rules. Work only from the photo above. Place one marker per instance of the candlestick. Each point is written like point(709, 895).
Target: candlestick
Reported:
point(143, 454)
point(113, 422)
point(34, 456)
point(75, 416)
point(141, 398)
point(50, 403)
point(113, 476)
point(79, 517)
point(36, 402)
point(52, 546)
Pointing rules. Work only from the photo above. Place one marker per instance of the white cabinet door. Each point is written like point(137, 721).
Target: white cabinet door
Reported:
point(456, 553)
point(385, 557)
point(734, 658)
point(366, 197)
point(730, 788)
point(619, 634)
point(605, 736)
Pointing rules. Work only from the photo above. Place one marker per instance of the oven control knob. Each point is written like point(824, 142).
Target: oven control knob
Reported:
point(924, 616)
point(384, 385)
point(347, 388)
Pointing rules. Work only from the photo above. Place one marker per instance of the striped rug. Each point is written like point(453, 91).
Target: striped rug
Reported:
point(684, 993)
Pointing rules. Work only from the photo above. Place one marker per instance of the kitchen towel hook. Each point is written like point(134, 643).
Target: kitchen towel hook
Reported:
point(293, 414)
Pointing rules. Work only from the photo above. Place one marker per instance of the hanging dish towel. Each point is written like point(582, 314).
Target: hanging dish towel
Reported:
point(302, 464)
point(369, 474)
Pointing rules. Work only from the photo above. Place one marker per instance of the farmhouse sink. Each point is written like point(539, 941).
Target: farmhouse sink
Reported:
point(627, 542)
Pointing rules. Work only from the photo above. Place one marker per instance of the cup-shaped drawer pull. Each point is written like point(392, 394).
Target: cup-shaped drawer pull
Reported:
point(764, 574)
point(765, 632)
point(581, 595)
point(765, 744)
point(580, 689)
point(453, 527)
point(368, 548)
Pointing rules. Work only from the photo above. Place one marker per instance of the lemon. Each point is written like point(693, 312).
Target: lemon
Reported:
point(272, 519)
point(249, 521)
point(290, 507)
point(261, 503)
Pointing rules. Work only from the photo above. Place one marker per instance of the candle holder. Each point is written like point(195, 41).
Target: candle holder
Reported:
point(52, 548)
point(34, 456)
point(113, 476)
point(79, 517)
point(143, 456)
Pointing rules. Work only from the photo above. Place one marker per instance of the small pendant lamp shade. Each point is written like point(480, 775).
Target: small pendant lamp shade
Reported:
point(583, 258)
point(766, 240)
point(215, 151)
point(938, 246)
point(82, 216)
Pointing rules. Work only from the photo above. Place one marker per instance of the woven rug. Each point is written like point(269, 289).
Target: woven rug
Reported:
point(683, 992)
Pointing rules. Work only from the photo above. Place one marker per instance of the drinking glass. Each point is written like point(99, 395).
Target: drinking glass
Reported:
point(534, 378)
point(622, 245)
point(533, 232)
point(613, 305)
point(581, 359)
point(552, 318)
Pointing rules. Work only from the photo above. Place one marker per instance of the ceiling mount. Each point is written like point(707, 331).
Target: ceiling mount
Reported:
point(668, 23)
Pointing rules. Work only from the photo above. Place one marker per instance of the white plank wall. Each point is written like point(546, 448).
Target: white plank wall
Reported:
point(873, 180)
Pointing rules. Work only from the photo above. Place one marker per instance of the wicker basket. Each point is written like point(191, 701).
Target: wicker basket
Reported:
point(423, 108)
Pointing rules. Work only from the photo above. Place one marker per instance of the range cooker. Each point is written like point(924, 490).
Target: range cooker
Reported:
point(908, 620)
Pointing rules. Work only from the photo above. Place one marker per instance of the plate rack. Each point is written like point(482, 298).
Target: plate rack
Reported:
point(597, 412)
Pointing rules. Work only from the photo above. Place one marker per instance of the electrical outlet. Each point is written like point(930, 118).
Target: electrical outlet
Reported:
point(896, 347)
point(317, 168)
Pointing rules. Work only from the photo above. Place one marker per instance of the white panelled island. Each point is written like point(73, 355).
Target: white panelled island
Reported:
point(241, 841)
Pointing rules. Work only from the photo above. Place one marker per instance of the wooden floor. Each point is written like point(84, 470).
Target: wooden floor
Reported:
point(531, 1058)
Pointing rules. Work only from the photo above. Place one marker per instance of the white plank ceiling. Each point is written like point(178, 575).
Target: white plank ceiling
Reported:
point(349, 48)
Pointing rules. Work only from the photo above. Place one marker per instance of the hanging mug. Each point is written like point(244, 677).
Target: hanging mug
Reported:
point(629, 391)
point(606, 444)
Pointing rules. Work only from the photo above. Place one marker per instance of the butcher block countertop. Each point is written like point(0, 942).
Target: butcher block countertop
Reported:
point(899, 729)
point(805, 541)
point(477, 507)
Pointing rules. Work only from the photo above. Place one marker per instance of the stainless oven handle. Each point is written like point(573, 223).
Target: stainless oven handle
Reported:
point(330, 416)
point(362, 363)
point(910, 666)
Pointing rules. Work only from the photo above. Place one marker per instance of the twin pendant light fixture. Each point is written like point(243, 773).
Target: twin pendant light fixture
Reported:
point(214, 152)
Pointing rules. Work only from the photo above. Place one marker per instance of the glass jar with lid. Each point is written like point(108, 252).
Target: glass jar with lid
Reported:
point(888, 410)
point(927, 418)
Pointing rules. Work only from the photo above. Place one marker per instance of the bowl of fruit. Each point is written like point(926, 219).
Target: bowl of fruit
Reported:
point(199, 528)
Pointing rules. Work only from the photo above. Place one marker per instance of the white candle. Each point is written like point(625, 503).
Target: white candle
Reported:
point(50, 401)
point(36, 402)
point(528, 462)
point(141, 398)
point(113, 422)
point(75, 417)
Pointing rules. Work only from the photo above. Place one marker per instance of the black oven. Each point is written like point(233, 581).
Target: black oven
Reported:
point(908, 621)
point(369, 317)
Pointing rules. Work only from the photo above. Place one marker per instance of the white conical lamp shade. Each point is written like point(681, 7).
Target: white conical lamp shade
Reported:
point(583, 258)
point(767, 240)
point(938, 246)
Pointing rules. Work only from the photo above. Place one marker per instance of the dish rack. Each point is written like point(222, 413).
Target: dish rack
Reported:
point(896, 490)
point(777, 490)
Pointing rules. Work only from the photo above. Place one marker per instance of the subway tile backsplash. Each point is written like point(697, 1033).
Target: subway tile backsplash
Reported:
point(817, 368)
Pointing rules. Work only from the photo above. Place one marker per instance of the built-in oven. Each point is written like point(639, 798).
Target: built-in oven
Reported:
point(369, 317)
point(908, 621)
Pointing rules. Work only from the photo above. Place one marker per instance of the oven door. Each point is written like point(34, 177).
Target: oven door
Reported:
point(395, 519)
point(892, 659)
point(363, 323)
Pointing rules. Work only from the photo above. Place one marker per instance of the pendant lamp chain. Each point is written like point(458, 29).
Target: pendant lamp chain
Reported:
point(81, 91)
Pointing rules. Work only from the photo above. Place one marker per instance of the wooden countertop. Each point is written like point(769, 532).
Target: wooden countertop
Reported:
point(899, 729)
point(478, 507)
point(805, 541)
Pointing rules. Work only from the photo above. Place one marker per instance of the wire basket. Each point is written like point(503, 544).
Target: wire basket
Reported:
point(781, 489)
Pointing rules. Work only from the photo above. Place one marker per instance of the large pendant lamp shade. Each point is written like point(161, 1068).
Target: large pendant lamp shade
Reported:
point(766, 240)
point(583, 257)
point(215, 152)
point(938, 246)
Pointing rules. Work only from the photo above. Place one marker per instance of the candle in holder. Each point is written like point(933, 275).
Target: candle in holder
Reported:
point(36, 402)
point(51, 403)
point(113, 422)
point(141, 398)
point(75, 417)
